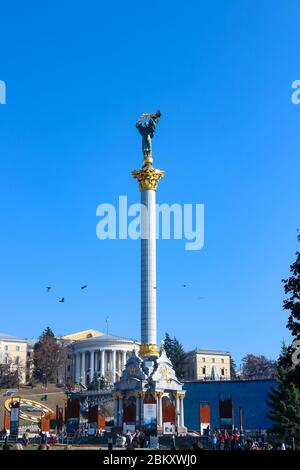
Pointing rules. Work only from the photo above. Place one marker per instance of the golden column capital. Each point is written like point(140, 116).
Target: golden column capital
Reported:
point(178, 395)
point(148, 349)
point(148, 177)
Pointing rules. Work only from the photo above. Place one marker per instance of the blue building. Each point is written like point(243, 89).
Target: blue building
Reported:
point(250, 395)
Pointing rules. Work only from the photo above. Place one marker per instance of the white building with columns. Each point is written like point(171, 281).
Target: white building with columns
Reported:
point(97, 352)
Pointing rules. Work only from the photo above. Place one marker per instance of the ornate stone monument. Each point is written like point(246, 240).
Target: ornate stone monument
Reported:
point(149, 396)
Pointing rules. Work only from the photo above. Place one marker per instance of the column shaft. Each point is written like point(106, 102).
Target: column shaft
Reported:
point(102, 362)
point(182, 412)
point(148, 268)
point(113, 366)
point(123, 359)
point(92, 365)
point(83, 373)
point(77, 365)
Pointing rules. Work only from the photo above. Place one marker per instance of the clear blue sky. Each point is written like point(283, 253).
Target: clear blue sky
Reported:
point(78, 75)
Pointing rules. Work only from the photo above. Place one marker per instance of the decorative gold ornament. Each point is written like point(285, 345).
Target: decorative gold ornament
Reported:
point(132, 370)
point(165, 372)
point(148, 177)
point(178, 395)
point(149, 350)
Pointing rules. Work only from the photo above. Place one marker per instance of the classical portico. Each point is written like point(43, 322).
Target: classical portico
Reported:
point(105, 355)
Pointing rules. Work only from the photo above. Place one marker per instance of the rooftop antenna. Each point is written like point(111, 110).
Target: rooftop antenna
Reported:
point(106, 321)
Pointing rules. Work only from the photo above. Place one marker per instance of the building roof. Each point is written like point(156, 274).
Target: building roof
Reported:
point(103, 340)
point(6, 337)
point(80, 335)
point(209, 352)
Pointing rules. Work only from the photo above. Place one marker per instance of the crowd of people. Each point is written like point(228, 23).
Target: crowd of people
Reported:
point(137, 439)
point(223, 440)
point(213, 439)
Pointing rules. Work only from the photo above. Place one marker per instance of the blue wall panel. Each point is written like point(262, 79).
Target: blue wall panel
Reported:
point(251, 395)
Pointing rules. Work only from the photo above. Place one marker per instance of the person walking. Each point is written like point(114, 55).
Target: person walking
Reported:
point(214, 440)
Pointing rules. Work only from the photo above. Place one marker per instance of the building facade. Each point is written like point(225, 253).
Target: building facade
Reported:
point(248, 396)
point(13, 353)
point(96, 352)
point(206, 364)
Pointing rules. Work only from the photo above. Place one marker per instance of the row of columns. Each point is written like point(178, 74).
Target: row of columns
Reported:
point(179, 409)
point(111, 360)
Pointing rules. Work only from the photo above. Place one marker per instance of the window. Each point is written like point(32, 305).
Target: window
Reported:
point(222, 360)
point(213, 359)
point(17, 348)
point(203, 359)
point(17, 360)
point(222, 371)
point(203, 370)
point(6, 348)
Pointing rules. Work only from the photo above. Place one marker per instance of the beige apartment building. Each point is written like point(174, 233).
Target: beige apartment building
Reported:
point(206, 364)
point(13, 352)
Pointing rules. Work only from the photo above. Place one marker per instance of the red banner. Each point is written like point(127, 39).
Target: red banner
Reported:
point(93, 414)
point(6, 420)
point(204, 413)
point(45, 423)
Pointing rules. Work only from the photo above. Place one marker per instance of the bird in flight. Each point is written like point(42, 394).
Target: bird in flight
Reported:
point(62, 300)
point(83, 287)
point(184, 285)
point(49, 288)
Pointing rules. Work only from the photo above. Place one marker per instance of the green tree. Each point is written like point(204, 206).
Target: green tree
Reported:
point(93, 385)
point(232, 368)
point(49, 357)
point(292, 304)
point(258, 367)
point(47, 333)
point(176, 354)
point(284, 403)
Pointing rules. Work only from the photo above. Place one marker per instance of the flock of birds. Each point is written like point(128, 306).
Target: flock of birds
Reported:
point(62, 299)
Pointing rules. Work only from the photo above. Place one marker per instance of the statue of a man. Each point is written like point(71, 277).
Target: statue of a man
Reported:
point(147, 131)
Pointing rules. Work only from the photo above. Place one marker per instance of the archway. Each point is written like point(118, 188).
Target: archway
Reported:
point(168, 410)
point(129, 410)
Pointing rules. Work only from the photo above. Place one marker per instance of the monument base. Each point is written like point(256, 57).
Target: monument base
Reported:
point(149, 396)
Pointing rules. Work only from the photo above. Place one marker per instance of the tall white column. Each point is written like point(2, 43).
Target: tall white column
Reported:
point(148, 268)
point(182, 412)
point(97, 355)
point(103, 362)
point(92, 365)
point(160, 423)
point(113, 366)
point(83, 372)
point(123, 359)
point(77, 365)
